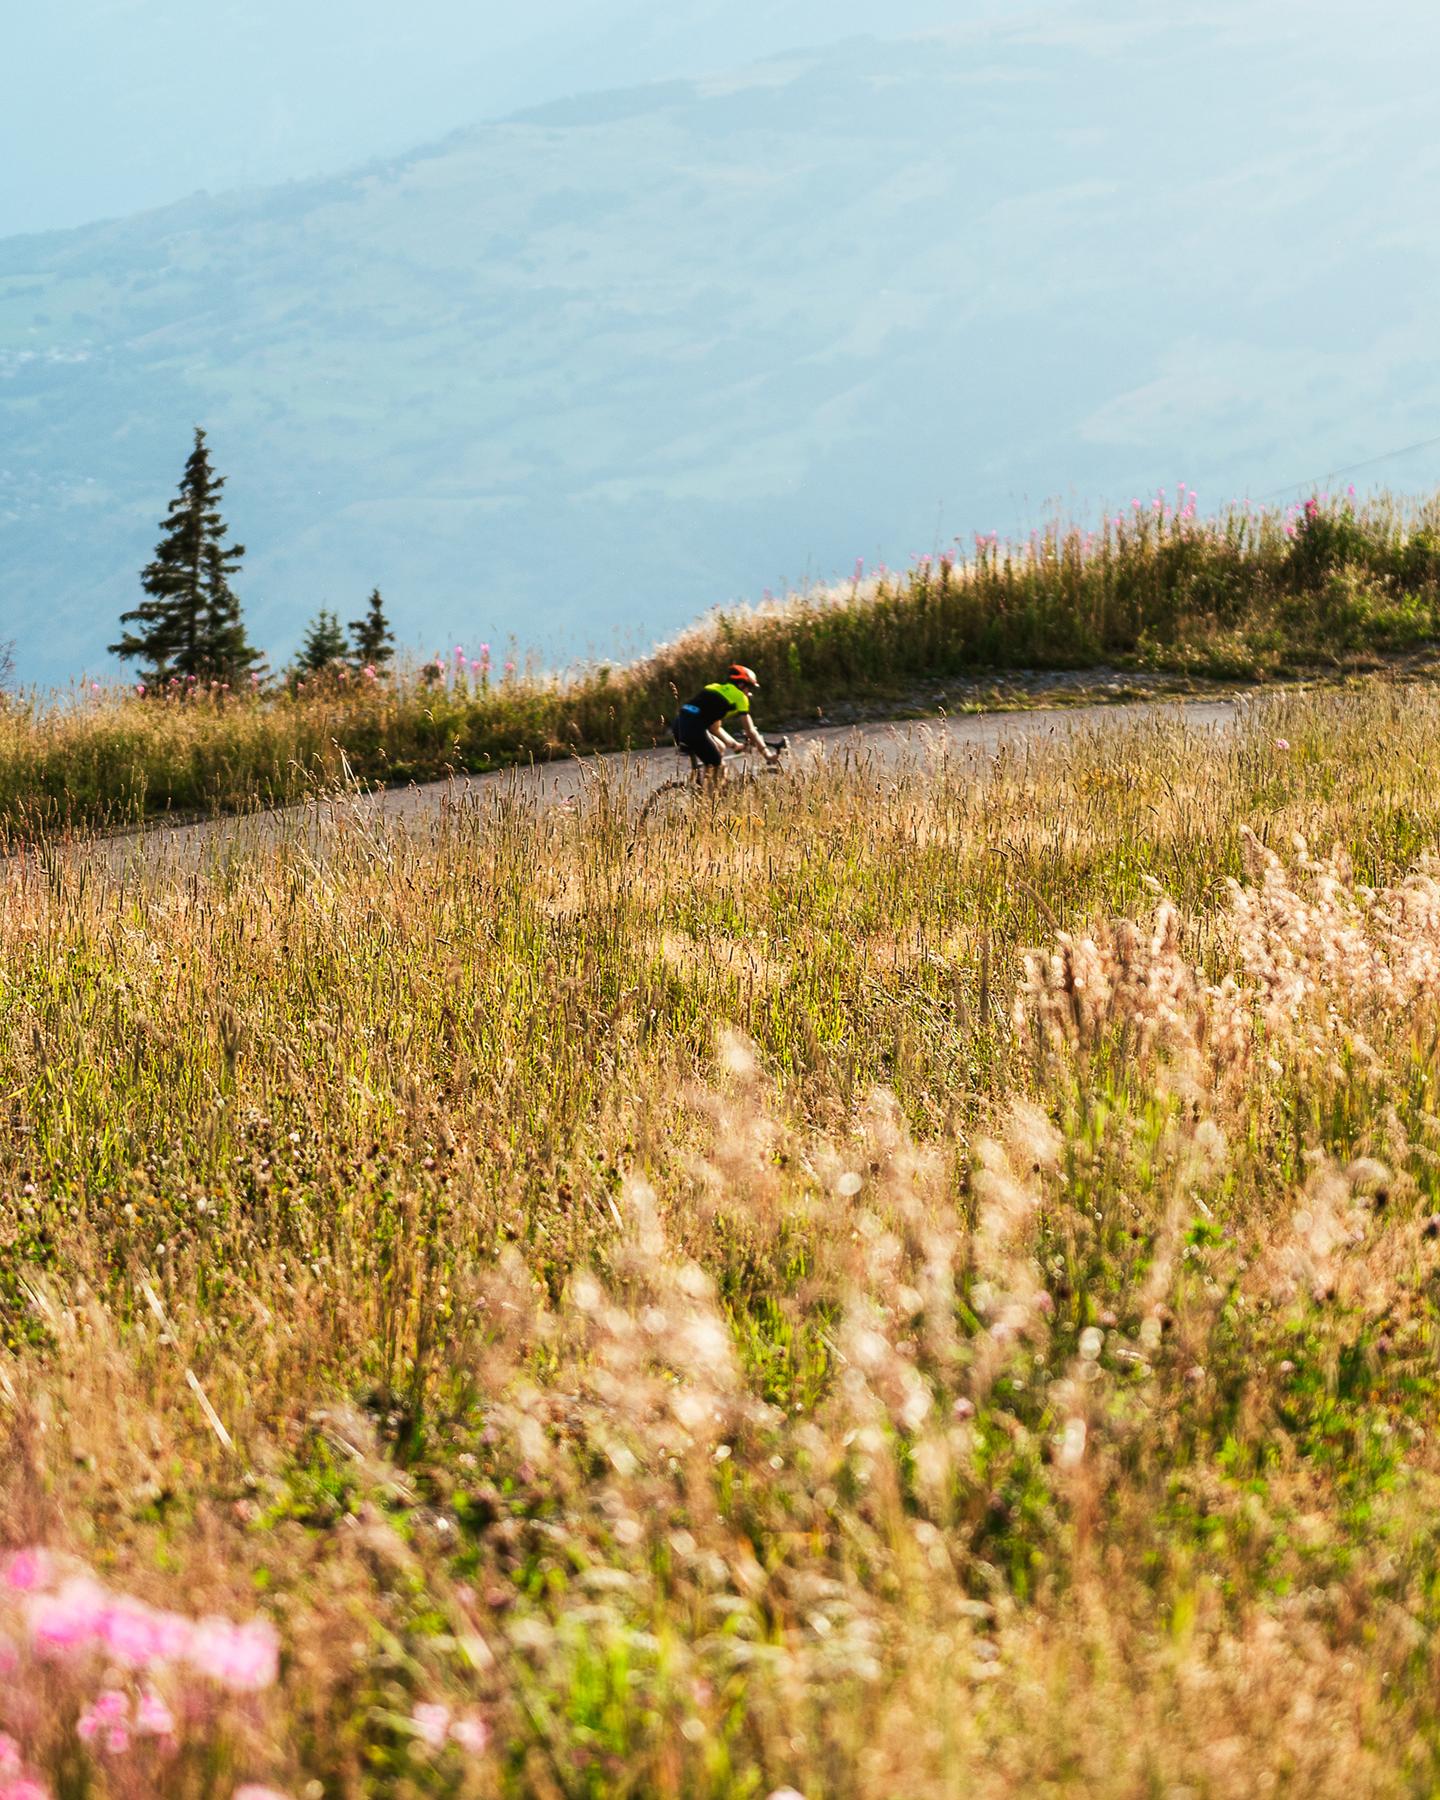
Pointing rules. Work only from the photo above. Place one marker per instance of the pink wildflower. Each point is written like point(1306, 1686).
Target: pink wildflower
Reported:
point(153, 1718)
point(243, 1658)
point(470, 1734)
point(369, 671)
point(137, 1635)
point(509, 668)
point(107, 1713)
point(9, 1755)
point(1282, 743)
point(431, 1722)
point(25, 1787)
point(140, 689)
point(253, 1790)
point(25, 1570)
point(68, 1620)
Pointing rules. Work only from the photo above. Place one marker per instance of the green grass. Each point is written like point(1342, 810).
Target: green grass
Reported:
point(1246, 597)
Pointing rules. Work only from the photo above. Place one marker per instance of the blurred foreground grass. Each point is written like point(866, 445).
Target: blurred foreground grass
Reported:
point(719, 1314)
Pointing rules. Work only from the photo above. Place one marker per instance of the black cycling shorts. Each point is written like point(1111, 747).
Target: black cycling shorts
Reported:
point(691, 735)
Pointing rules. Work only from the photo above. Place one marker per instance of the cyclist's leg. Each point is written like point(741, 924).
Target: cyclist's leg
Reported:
point(704, 753)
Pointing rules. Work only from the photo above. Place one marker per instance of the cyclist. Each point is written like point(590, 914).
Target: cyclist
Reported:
point(699, 726)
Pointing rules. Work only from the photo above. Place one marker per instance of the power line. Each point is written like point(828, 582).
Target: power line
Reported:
point(1351, 469)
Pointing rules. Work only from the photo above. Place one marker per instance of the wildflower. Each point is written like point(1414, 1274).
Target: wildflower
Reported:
point(68, 1620)
point(9, 1755)
point(1282, 743)
point(107, 1713)
point(243, 1658)
point(24, 1787)
point(252, 1790)
point(470, 1734)
point(369, 671)
point(509, 668)
point(138, 1636)
point(25, 1570)
point(140, 689)
point(153, 1718)
point(431, 1722)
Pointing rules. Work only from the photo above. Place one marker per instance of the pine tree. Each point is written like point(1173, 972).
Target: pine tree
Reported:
point(324, 644)
point(372, 638)
point(190, 625)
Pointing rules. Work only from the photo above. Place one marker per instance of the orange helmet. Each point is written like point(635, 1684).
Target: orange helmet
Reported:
point(738, 672)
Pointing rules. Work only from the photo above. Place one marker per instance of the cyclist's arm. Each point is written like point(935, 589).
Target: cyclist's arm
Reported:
point(723, 738)
point(757, 742)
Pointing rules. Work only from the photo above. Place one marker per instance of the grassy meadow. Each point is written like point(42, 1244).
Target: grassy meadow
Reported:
point(913, 1282)
point(1248, 595)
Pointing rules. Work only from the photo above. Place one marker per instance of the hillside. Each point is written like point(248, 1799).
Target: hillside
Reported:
point(577, 375)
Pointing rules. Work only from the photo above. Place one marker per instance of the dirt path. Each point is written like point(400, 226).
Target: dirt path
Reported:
point(976, 735)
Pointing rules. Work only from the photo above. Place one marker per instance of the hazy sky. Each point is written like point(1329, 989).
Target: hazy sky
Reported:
point(109, 106)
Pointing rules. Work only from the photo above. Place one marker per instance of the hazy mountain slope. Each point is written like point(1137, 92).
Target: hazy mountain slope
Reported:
point(577, 375)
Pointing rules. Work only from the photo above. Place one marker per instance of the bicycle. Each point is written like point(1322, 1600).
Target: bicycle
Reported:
point(675, 797)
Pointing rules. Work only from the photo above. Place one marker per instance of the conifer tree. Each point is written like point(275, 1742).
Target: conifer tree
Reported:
point(324, 644)
point(373, 640)
point(190, 624)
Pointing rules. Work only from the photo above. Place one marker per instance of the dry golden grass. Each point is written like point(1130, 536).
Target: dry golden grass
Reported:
point(817, 1299)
